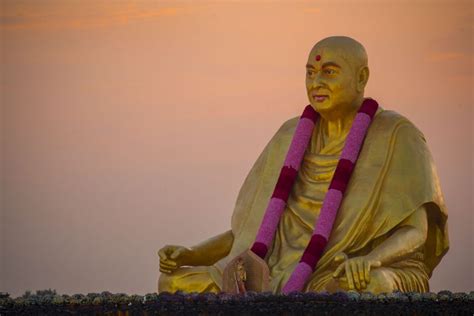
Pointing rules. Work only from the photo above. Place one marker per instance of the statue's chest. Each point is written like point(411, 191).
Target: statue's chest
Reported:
point(310, 188)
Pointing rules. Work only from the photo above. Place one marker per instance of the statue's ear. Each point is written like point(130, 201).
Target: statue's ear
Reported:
point(362, 78)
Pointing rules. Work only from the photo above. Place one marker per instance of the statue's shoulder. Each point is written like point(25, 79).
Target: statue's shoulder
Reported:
point(284, 134)
point(289, 126)
point(388, 120)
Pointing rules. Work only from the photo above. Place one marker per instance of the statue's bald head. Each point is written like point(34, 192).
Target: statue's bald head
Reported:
point(348, 48)
point(336, 74)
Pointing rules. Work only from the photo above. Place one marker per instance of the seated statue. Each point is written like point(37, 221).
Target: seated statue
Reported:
point(390, 228)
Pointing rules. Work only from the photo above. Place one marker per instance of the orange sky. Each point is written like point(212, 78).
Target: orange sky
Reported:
point(129, 125)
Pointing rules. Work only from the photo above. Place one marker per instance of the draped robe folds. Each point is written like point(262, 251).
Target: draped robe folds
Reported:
point(393, 177)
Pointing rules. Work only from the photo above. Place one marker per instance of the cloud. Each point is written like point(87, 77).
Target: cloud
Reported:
point(437, 57)
point(49, 14)
point(455, 65)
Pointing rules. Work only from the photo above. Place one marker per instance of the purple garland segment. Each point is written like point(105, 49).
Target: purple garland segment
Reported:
point(332, 200)
point(285, 182)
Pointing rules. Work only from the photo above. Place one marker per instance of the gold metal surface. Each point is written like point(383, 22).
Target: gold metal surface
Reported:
point(390, 231)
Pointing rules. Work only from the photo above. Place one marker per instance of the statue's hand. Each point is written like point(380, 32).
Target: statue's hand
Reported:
point(172, 257)
point(357, 270)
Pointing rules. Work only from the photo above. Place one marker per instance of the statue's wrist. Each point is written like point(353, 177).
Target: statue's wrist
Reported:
point(187, 256)
point(192, 251)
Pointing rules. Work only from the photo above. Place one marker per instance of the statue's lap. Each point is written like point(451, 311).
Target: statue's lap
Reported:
point(384, 279)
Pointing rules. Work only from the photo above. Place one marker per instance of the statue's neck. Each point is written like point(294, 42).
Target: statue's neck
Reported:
point(336, 124)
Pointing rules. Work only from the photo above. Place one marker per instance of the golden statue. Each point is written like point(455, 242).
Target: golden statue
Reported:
point(391, 228)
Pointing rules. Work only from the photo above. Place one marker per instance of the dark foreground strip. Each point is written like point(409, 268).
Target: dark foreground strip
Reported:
point(442, 303)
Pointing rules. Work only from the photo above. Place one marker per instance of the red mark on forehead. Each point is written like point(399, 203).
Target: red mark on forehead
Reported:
point(318, 57)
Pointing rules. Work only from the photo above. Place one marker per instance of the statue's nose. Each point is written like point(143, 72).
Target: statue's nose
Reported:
point(318, 81)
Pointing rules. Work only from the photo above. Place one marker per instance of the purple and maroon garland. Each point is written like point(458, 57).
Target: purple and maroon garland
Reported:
point(333, 197)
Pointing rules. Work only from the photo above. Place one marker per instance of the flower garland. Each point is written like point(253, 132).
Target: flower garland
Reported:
point(332, 200)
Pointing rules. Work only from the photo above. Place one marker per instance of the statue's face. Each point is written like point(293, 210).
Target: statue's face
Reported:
point(330, 80)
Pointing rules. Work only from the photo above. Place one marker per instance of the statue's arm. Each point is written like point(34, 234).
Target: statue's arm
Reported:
point(206, 253)
point(408, 238)
point(212, 250)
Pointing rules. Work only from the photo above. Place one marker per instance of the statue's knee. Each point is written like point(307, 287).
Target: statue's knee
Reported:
point(381, 281)
point(167, 283)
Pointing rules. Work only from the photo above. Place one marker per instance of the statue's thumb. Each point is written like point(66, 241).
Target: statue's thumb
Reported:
point(175, 254)
point(376, 264)
point(340, 257)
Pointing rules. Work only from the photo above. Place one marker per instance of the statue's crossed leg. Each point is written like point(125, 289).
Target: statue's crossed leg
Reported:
point(188, 279)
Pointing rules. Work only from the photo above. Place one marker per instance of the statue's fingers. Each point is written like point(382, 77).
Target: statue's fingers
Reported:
point(168, 265)
point(162, 270)
point(355, 274)
point(338, 271)
point(167, 250)
point(367, 271)
point(350, 278)
point(162, 253)
point(360, 270)
point(168, 261)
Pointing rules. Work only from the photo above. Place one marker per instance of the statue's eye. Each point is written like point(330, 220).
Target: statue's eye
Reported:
point(329, 71)
point(309, 72)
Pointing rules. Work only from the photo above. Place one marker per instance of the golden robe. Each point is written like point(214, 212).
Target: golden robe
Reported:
point(393, 177)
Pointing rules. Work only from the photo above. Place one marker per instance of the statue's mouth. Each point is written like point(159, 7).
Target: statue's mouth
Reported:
point(320, 97)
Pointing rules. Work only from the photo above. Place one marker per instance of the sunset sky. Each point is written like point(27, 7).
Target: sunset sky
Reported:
point(128, 125)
